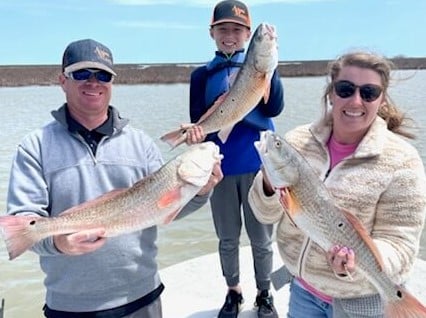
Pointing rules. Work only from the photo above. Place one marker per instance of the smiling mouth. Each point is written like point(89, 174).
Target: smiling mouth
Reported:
point(92, 93)
point(353, 114)
point(229, 44)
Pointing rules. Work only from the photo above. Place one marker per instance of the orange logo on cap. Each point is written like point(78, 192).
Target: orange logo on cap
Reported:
point(239, 12)
point(104, 55)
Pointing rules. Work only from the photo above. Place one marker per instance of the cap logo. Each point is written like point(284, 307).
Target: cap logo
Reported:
point(239, 12)
point(104, 55)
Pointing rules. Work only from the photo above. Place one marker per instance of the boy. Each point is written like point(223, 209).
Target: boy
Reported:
point(230, 28)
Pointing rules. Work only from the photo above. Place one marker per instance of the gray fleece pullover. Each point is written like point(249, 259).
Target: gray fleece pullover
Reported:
point(54, 170)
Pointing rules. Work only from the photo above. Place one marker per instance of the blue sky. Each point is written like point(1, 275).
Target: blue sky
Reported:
point(157, 31)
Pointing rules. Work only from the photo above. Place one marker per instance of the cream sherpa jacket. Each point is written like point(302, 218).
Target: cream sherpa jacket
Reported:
point(383, 183)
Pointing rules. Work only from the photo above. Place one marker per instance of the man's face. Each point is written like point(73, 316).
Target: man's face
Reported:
point(86, 97)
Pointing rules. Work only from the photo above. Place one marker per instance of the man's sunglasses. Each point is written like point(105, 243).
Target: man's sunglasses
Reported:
point(369, 92)
point(85, 74)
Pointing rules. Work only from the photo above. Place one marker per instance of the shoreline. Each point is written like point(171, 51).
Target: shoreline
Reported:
point(168, 73)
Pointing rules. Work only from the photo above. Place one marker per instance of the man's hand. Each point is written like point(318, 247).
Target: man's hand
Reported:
point(80, 242)
point(215, 178)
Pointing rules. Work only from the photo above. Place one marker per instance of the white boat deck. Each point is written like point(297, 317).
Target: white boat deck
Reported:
point(196, 289)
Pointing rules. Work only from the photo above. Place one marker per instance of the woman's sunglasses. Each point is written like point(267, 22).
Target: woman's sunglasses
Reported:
point(368, 92)
point(85, 74)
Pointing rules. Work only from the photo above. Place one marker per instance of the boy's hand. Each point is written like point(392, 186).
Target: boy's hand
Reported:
point(194, 134)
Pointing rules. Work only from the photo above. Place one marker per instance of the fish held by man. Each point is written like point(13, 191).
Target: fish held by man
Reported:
point(154, 200)
point(309, 205)
point(252, 82)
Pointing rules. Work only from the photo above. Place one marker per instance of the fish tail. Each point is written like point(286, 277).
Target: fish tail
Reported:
point(174, 138)
point(407, 306)
point(17, 234)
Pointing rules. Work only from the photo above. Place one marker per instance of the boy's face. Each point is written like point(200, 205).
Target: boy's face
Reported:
point(230, 37)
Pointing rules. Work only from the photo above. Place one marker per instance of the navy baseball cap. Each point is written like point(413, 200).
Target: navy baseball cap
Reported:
point(231, 11)
point(87, 53)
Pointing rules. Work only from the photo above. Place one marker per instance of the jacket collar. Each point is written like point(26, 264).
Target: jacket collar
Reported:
point(371, 145)
point(118, 123)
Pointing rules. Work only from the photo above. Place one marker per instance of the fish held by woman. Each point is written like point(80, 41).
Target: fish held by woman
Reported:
point(252, 82)
point(154, 200)
point(309, 205)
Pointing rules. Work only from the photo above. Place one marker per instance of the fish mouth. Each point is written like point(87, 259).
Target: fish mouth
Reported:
point(266, 137)
point(269, 30)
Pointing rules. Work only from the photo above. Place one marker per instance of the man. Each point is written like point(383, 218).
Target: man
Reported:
point(88, 150)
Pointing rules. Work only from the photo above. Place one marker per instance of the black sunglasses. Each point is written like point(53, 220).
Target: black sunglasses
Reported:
point(85, 74)
point(368, 92)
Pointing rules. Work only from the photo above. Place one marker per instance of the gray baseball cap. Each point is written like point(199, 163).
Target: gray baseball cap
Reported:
point(87, 53)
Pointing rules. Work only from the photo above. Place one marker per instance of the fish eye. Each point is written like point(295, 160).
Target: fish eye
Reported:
point(277, 143)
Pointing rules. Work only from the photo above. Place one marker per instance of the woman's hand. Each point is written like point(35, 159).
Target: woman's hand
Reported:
point(341, 260)
point(80, 242)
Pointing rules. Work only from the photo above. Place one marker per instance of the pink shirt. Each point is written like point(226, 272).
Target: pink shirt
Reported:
point(337, 152)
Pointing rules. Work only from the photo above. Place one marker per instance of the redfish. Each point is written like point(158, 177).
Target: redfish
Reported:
point(251, 84)
point(310, 206)
point(154, 200)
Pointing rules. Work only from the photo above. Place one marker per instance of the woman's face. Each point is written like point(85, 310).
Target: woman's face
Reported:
point(356, 108)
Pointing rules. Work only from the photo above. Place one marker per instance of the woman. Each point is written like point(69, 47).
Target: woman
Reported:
point(357, 149)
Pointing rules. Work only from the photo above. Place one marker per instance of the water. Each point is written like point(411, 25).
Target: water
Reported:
point(157, 109)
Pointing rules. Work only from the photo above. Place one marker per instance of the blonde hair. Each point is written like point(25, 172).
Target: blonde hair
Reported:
point(394, 118)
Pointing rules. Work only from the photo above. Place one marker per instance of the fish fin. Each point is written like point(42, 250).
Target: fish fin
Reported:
point(267, 84)
point(17, 233)
point(94, 202)
point(293, 202)
point(233, 78)
point(290, 203)
point(267, 91)
point(171, 217)
point(365, 236)
point(224, 134)
point(406, 306)
point(169, 198)
point(174, 138)
point(213, 108)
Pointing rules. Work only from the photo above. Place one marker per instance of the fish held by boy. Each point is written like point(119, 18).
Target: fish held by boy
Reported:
point(326, 224)
point(154, 200)
point(252, 82)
